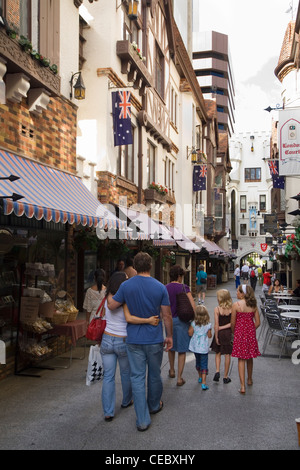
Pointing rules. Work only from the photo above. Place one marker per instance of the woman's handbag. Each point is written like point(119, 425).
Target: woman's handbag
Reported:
point(184, 309)
point(97, 326)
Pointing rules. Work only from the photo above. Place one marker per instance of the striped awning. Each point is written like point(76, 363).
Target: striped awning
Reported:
point(50, 194)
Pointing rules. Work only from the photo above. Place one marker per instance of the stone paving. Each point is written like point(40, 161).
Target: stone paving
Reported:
point(59, 412)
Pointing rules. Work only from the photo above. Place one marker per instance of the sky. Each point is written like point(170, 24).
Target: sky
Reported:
point(255, 31)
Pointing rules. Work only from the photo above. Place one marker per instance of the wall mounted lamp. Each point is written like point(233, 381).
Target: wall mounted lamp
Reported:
point(193, 152)
point(133, 9)
point(79, 88)
point(252, 138)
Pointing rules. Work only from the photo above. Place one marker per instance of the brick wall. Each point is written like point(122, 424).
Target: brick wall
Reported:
point(49, 138)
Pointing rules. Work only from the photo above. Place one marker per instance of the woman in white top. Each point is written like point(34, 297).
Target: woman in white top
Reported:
point(113, 349)
point(94, 295)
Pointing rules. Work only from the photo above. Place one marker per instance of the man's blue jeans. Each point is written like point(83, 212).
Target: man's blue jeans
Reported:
point(114, 349)
point(140, 357)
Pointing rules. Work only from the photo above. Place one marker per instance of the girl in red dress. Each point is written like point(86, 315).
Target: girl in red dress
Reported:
point(244, 322)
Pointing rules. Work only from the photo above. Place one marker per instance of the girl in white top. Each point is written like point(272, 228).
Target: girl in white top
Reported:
point(94, 295)
point(200, 330)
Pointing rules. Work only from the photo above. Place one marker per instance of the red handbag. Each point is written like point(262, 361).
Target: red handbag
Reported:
point(97, 326)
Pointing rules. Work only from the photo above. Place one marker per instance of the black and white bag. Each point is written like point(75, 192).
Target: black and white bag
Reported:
point(95, 366)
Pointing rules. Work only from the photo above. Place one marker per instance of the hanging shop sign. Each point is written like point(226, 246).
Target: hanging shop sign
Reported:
point(289, 142)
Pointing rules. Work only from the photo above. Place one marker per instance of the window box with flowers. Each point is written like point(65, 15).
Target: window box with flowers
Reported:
point(155, 192)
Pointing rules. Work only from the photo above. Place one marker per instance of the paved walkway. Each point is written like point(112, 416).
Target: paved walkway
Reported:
point(58, 411)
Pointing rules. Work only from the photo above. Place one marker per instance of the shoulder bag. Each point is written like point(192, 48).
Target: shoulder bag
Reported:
point(184, 309)
point(97, 326)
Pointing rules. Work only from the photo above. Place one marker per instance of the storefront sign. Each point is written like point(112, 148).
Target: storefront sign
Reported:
point(29, 309)
point(270, 223)
point(289, 142)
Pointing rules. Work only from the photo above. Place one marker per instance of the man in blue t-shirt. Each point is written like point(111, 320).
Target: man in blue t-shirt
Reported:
point(145, 297)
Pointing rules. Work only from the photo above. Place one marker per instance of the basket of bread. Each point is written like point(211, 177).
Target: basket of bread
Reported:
point(64, 305)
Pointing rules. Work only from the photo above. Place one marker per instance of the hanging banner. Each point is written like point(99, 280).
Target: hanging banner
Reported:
point(199, 177)
point(289, 142)
point(121, 111)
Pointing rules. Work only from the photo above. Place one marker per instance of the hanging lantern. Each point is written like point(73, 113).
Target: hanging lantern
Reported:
point(133, 9)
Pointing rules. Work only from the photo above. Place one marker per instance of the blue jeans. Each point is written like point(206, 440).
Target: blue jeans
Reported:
point(113, 350)
point(140, 356)
point(202, 363)
point(237, 281)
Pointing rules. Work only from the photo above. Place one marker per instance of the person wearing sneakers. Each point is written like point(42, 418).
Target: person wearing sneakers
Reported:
point(200, 331)
point(221, 343)
point(201, 281)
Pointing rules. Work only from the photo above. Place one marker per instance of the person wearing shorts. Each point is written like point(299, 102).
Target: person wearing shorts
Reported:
point(201, 283)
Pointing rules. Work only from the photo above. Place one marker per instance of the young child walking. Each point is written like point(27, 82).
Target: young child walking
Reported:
point(221, 343)
point(200, 331)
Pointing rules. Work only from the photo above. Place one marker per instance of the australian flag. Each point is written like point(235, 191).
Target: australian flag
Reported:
point(199, 177)
point(278, 181)
point(121, 111)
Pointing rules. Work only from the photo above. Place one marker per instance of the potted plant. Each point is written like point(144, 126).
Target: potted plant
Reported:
point(25, 43)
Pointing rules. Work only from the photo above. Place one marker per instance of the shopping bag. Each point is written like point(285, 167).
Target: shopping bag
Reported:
point(95, 366)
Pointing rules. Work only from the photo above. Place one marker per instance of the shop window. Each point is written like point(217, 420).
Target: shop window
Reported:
point(32, 254)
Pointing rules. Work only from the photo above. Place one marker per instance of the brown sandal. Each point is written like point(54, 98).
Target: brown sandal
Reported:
point(172, 376)
point(179, 384)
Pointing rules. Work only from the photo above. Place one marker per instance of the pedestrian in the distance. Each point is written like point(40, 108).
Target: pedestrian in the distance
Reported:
point(94, 295)
point(244, 322)
point(253, 277)
point(267, 281)
point(201, 283)
point(237, 276)
point(200, 331)
point(221, 343)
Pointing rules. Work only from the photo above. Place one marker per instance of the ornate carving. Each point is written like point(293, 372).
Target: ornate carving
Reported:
point(21, 62)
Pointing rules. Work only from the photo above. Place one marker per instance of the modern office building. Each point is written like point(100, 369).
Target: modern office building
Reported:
point(212, 65)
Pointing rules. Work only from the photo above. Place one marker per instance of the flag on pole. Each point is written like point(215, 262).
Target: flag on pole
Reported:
point(121, 111)
point(273, 165)
point(278, 181)
point(199, 177)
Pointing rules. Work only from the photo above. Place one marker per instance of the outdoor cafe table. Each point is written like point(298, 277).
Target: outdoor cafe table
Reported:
point(289, 308)
point(284, 297)
point(289, 311)
point(76, 330)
